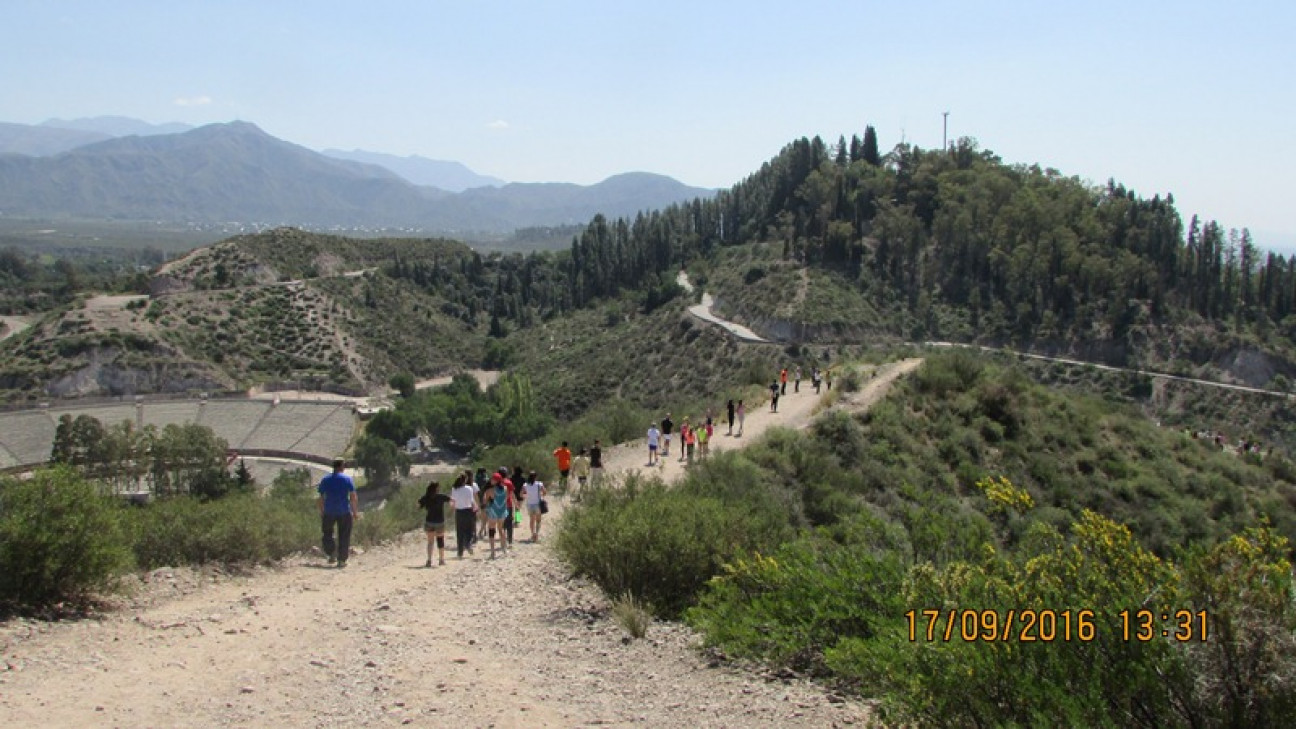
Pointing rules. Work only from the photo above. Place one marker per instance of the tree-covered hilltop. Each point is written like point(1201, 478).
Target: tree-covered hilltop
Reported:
point(825, 243)
point(958, 244)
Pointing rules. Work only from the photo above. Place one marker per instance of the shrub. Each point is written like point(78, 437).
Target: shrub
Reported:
point(1245, 672)
point(398, 514)
point(1104, 678)
point(60, 538)
point(792, 607)
point(238, 529)
point(648, 541)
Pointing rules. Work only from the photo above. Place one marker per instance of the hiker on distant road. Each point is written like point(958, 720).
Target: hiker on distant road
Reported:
point(563, 456)
point(596, 463)
point(433, 502)
point(654, 442)
point(783, 381)
point(796, 384)
point(774, 396)
point(730, 408)
point(338, 507)
point(667, 425)
point(742, 416)
point(581, 470)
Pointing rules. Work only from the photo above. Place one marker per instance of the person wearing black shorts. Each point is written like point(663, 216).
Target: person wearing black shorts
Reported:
point(667, 427)
point(434, 503)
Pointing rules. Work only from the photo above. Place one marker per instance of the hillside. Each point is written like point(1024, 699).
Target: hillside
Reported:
point(283, 306)
point(959, 245)
point(441, 174)
point(26, 140)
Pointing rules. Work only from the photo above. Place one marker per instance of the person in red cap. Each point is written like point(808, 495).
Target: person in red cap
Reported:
point(511, 487)
point(496, 499)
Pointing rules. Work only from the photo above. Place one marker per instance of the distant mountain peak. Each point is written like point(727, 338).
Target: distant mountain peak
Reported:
point(441, 174)
point(116, 126)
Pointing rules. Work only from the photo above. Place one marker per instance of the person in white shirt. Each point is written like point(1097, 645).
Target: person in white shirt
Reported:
point(654, 439)
point(465, 505)
point(534, 493)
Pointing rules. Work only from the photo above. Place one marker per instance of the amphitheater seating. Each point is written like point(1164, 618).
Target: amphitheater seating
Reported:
point(233, 420)
point(330, 436)
point(288, 423)
point(162, 414)
point(28, 435)
point(316, 428)
point(109, 415)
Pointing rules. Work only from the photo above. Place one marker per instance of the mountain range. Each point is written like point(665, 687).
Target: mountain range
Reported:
point(449, 176)
point(236, 172)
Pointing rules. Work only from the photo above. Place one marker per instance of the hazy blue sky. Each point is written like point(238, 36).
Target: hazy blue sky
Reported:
point(1187, 97)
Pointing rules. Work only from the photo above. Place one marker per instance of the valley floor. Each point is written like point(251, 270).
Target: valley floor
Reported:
point(510, 642)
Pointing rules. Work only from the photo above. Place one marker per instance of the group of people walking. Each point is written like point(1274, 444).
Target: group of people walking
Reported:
point(586, 466)
point(490, 505)
point(485, 506)
point(694, 439)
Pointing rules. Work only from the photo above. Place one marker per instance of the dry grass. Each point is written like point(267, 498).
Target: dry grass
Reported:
point(632, 615)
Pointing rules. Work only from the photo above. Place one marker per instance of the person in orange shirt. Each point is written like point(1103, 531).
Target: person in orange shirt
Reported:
point(783, 381)
point(564, 458)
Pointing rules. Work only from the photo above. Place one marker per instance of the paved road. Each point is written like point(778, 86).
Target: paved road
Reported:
point(703, 312)
point(1110, 368)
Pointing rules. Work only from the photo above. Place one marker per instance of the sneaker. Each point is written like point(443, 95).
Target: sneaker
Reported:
point(331, 559)
point(442, 562)
point(341, 563)
point(428, 563)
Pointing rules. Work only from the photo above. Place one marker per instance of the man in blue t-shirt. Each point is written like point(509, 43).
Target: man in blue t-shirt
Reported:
point(337, 505)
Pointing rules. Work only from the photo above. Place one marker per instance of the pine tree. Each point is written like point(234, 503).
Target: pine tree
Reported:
point(870, 152)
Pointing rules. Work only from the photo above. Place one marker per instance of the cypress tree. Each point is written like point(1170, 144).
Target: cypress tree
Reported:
point(870, 152)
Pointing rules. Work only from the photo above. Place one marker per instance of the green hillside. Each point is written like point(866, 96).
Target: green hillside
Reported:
point(844, 551)
point(959, 245)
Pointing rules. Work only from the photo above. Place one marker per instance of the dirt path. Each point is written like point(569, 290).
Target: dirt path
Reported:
point(13, 325)
point(511, 642)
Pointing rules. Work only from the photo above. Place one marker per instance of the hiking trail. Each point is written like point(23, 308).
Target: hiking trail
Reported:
point(510, 642)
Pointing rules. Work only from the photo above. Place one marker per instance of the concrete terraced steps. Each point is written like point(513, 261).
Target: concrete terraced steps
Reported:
point(315, 428)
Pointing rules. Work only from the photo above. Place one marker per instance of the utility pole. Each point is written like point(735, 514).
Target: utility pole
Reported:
point(945, 131)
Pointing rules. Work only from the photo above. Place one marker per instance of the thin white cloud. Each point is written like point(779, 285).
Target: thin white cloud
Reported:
point(498, 124)
point(193, 101)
